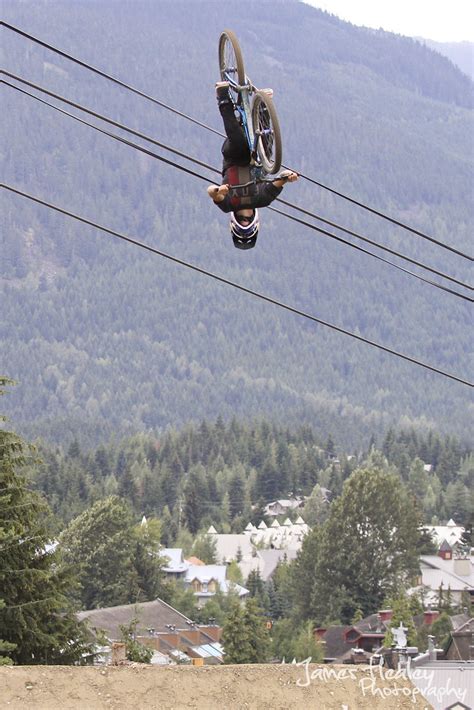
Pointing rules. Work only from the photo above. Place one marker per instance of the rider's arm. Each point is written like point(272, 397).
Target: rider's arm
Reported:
point(287, 176)
point(217, 193)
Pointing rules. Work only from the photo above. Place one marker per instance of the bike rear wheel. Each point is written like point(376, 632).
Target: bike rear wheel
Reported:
point(267, 128)
point(231, 62)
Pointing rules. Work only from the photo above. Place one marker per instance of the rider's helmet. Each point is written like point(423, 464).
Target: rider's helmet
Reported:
point(244, 235)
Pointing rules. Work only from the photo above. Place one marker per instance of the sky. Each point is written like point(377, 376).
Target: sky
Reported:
point(439, 20)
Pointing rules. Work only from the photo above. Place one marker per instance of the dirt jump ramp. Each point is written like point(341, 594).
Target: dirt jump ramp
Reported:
point(251, 687)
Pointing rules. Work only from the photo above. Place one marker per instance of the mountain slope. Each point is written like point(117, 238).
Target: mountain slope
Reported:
point(460, 53)
point(105, 338)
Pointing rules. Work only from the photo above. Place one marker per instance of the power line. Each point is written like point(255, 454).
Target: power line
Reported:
point(123, 84)
point(222, 279)
point(391, 251)
point(214, 169)
point(371, 241)
point(106, 76)
point(388, 218)
point(105, 119)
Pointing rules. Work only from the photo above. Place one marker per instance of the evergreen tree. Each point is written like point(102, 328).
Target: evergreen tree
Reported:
point(37, 622)
point(233, 572)
point(254, 620)
point(194, 497)
point(236, 495)
point(5, 646)
point(204, 548)
point(236, 636)
point(402, 613)
point(307, 646)
point(147, 562)
point(316, 508)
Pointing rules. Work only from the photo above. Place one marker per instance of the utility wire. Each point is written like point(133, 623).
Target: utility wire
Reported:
point(106, 76)
point(376, 256)
point(103, 74)
point(216, 170)
point(366, 239)
point(105, 119)
point(221, 279)
point(387, 217)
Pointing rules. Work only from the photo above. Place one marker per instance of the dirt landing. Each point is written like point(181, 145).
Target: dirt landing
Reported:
point(208, 688)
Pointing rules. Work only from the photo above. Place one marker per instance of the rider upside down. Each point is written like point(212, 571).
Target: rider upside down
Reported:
point(242, 203)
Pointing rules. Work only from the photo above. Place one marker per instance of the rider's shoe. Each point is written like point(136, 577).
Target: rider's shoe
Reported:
point(222, 92)
point(222, 89)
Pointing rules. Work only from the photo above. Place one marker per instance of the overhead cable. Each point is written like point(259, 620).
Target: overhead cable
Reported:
point(216, 170)
point(106, 119)
point(235, 285)
point(103, 74)
point(156, 101)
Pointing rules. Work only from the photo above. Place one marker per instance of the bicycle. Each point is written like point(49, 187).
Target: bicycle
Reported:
point(255, 108)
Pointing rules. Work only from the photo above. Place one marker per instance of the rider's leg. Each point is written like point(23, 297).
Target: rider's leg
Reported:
point(235, 148)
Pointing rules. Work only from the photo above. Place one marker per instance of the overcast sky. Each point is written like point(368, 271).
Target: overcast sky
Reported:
point(441, 20)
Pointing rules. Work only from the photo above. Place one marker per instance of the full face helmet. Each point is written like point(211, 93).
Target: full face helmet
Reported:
point(244, 235)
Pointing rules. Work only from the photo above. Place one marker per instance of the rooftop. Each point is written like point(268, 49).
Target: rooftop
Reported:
point(156, 614)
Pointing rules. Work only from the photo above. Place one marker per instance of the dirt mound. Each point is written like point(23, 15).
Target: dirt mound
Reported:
point(275, 687)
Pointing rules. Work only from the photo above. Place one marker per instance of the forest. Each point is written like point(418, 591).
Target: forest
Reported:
point(105, 341)
point(222, 474)
point(72, 534)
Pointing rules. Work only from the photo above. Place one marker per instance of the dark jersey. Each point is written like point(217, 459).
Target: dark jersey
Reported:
point(255, 194)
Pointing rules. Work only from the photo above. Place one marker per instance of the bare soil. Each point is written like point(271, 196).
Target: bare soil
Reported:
point(269, 687)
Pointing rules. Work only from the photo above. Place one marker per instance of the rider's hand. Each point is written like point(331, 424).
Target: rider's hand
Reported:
point(289, 176)
point(212, 190)
point(217, 192)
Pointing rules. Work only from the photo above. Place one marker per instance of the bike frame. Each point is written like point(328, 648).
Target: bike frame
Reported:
point(245, 110)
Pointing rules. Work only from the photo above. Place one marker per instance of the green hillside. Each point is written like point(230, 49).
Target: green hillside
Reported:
point(106, 339)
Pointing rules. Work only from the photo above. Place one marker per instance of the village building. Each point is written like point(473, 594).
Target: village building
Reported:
point(452, 574)
point(173, 637)
point(451, 533)
point(204, 580)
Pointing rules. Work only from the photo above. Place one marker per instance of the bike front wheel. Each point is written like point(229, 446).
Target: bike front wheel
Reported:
point(267, 129)
point(231, 62)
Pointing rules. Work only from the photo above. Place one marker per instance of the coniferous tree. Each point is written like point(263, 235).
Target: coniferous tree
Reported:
point(37, 622)
point(204, 548)
point(236, 635)
point(254, 620)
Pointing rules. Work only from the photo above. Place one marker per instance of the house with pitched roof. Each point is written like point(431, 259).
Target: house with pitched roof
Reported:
point(172, 635)
point(444, 572)
point(204, 580)
point(451, 533)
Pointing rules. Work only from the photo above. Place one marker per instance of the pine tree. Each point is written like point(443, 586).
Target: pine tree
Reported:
point(254, 620)
point(204, 548)
point(307, 646)
point(402, 612)
point(236, 495)
point(37, 622)
point(236, 636)
point(5, 647)
point(194, 497)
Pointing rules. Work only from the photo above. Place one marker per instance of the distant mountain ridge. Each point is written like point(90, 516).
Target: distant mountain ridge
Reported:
point(105, 339)
point(460, 53)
